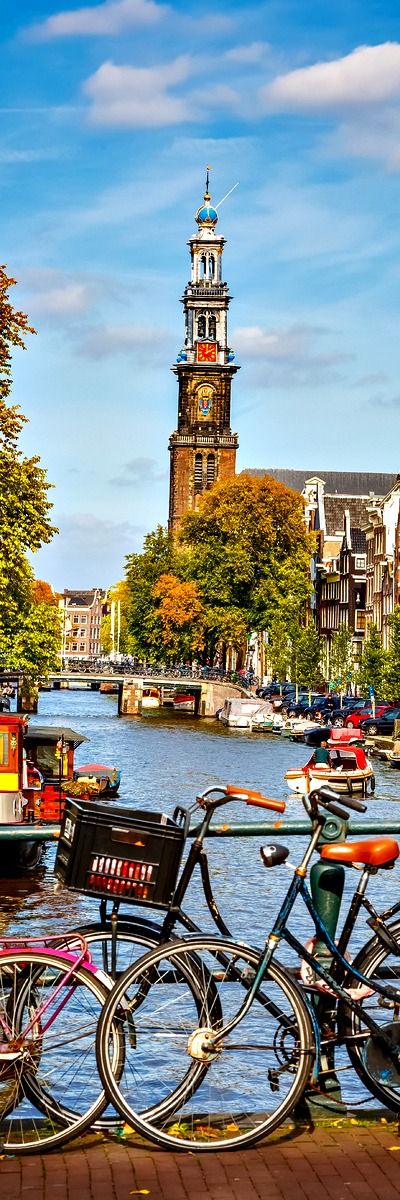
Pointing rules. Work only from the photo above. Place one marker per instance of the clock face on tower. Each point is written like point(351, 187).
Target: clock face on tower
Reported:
point(206, 352)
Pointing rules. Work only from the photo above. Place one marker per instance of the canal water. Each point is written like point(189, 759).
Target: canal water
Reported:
point(165, 760)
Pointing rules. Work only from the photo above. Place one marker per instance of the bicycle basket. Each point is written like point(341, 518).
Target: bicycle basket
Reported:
point(113, 852)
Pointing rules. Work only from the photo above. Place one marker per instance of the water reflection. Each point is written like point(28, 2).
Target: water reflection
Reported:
point(165, 760)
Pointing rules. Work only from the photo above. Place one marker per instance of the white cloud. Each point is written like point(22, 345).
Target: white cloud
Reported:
point(103, 341)
point(287, 357)
point(253, 53)
point(57, 294)
point(89, 551)
point(101, 19)
point(138, 96)
point(377, 139)
point(369, 75)
point(139, 472)
point(13, 157)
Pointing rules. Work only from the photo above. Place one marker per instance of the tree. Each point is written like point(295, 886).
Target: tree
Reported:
point(373, 664)
point(279, 649)
point(392, 671)
point(249, 552)
point(24, 516)
point(43, 592)
point(118, 594)
point(306, 657)
point(181, 614)
point(341, 657)
point(144, 626)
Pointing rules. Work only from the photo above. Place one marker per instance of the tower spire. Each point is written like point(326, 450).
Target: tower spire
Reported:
point(203, 447)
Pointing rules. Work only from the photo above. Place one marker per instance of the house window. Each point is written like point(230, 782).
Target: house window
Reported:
point(210, 469)
point(360, 563)
point(198, 473)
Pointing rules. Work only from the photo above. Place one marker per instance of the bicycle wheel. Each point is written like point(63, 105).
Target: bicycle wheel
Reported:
point(367, 1053)
point(133, 939)
point(47, 1051)
point(225, 1098)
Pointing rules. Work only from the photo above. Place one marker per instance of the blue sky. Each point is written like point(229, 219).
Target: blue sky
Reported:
point(110, 112)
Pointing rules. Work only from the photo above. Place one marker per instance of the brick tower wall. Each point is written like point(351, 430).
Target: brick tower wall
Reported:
point(183, 498)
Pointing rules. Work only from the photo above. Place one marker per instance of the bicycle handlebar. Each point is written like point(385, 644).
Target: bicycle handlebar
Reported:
point(328, 797)
point(229, 792)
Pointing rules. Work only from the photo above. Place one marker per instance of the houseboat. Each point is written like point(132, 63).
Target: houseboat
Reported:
point(37, 773)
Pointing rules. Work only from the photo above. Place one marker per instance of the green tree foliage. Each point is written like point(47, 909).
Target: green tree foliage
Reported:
point(278, 651)
point(249, 552)
point(373, 664)
point(392, 671)
point(144, 626)
point(119, 593)
point(341, 657)
point(29, 632)
point(181, 614)
point(306, 657)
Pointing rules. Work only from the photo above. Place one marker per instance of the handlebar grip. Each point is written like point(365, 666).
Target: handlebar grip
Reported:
point(265, 802)
point(357, 805)
point(255, 799)
point(336, 810)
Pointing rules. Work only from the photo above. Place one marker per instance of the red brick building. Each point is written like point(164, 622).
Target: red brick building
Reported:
point(203, 447)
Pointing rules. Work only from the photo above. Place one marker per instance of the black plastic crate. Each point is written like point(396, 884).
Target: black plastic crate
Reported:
point(109, 851)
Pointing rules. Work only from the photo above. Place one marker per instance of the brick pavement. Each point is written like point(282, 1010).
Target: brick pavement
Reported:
point(339, 1160)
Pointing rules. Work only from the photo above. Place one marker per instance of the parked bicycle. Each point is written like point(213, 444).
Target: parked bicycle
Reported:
point(221, 1040)
point(50, 1001)
point(101, 855)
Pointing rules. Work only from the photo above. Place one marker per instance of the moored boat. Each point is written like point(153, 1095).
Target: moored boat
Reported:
point(184, 702)
point(150, 697)
point(348, 769)
point(106, 780)
point(249, 712)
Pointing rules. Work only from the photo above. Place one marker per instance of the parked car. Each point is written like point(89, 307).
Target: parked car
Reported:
point(276, 691)
point(355, 716)
point(383, 724)
point(323, 706)
point(297, 708)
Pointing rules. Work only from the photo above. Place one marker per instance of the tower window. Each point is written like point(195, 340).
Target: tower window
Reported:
point(211, 266)
point(203, 266)
point(210, 469)
point(201, 327)
point(198, 473)
point(212, 328)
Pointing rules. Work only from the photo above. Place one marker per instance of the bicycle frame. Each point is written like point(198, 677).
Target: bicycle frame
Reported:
point(197, 857)
point(279, 932)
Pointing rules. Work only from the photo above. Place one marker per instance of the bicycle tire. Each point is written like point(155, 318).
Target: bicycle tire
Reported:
point(144, 934)
point(177, 1105)
point(366, 1055)
point(56, 1053)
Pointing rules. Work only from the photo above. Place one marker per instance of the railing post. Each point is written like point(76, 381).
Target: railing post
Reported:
point(326, 885)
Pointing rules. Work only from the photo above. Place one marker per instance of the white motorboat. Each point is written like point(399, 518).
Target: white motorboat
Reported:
point(249, 712)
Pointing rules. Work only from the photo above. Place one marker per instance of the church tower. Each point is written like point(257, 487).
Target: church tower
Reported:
point(203, 448)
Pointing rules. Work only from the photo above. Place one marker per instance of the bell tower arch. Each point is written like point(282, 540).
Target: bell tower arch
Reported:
point(203, 447)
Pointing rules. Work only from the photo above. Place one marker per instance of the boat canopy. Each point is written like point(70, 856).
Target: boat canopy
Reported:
point(53, 733)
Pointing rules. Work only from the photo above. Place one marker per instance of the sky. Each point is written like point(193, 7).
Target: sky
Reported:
point(109, 114)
